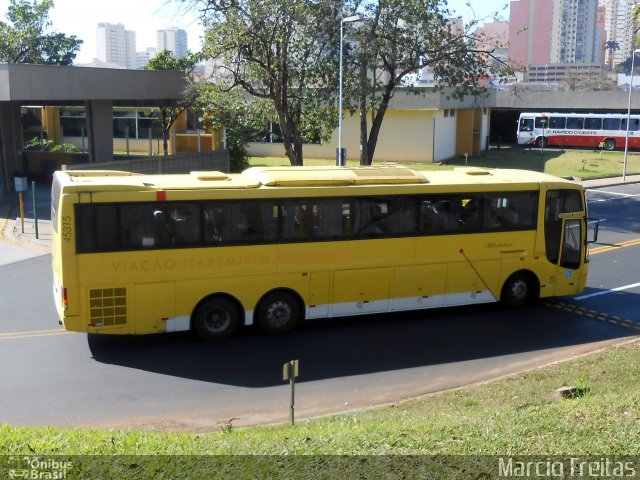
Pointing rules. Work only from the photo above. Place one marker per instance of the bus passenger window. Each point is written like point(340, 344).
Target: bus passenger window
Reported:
point(213, 221)
point(299, 219)
point(557, 122)
point(250, 222)
point(137, 226)
point(593, 123)
point(470, 213)
point(373, 217)
point(403, 215)
point(575, 123)
point(611, 124)
point(429, 217)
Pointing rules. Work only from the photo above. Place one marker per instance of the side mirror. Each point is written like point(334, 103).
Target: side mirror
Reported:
point(592, 229)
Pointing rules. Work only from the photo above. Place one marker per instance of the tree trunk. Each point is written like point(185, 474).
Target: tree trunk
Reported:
point(165, 133)
point(377, 122)
point(364, 146)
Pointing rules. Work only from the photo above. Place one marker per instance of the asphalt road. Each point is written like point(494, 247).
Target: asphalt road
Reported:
point(51, 377)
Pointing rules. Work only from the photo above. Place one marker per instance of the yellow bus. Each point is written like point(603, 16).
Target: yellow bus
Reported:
point(211, 252)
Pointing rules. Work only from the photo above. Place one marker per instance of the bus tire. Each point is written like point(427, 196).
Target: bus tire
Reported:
point(279, 312)
point(542, 142)
point(216, 317)
point(609, 144)
point(519, 289)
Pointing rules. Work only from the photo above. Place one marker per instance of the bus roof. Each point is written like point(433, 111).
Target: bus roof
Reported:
point(567, 114)
point(275, 177)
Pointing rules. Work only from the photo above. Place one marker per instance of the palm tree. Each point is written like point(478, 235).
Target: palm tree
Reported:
point(612, 46)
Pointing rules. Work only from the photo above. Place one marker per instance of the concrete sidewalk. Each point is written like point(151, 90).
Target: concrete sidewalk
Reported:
point(11, 226)
point(12, 232)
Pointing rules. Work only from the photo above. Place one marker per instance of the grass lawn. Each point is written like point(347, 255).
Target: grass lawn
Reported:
point(517, 415)
point(568, 163)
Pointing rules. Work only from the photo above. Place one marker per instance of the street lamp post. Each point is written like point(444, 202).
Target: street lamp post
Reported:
point(626, 138)
point(341, 153)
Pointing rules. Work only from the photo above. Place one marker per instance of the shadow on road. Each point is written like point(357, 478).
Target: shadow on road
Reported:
point(355, 346)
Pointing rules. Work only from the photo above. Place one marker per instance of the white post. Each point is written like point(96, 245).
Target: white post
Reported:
point(626, 138)
point(341, 154)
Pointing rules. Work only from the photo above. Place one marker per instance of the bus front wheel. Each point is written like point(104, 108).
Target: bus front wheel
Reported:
point(279, 312)
point(609, 144)
point(518, 290)
point(216, 318)
point(542, 142)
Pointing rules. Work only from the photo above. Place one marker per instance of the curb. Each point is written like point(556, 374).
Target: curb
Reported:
point(27, 239)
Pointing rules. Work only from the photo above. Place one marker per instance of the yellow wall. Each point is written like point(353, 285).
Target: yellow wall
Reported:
point(405, 136)
point(469, 131)
point(51, 123)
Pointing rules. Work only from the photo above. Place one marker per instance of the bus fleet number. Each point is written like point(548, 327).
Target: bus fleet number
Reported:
point(66, 229)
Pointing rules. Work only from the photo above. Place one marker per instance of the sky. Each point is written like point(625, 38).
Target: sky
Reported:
point(145, 17)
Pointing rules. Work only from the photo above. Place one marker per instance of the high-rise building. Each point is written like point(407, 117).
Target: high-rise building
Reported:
point(116, 45)
point(494, 36)
point(620, 29)
point(530, 32)
point(601, 35)
point(573, 33)
point(173, 39)
point(142, 58)
point(552, 31)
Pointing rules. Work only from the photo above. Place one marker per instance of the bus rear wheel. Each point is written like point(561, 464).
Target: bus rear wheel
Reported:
point(216, 317)
point(609, 144)
point(279, 312)
point(518, 290)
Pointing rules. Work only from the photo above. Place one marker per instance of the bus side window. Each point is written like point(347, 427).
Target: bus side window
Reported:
point(137, 226)
point(575, 123)
point(372, 217)
point(470, 213)
point(403, 215)
point(330, 218)
point(593, 123)
point(634, 124)
point(97, 228)
point(251, 222)
point(298, 219)
point(611, 124)
point(213, 221)
point(429, 220)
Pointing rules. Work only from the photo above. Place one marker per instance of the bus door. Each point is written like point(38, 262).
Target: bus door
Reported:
point(571, 255)
point(564, 239)
point(526, 134)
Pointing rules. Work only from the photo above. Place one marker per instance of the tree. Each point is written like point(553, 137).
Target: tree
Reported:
point(398, 38)
point(281, 51)
point(165, 60)
point(243, 118)
point(612, 46)
point(24, 38)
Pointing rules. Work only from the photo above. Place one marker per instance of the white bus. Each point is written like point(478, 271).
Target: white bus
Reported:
point(593, 130)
